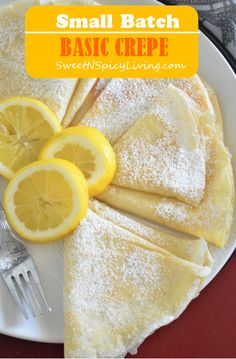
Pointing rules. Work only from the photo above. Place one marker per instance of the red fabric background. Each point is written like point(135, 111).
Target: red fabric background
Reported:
point(206, 329)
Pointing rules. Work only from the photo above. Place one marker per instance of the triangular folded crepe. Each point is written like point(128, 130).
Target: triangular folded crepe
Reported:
point(212, 219)
point(118, 291)
point(14, 81)
point(192, 250)
point(164, 151)
point(124, 100)
point(91, 97)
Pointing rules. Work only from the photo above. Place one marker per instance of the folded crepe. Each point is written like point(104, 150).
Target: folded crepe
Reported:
point(182, 246)
point(123, 101)
point(119, 288)
point(212, 218)
point(164, 152)
point(14, 81)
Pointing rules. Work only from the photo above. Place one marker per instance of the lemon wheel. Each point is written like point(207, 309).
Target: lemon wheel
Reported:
point(46, 200)
point(25, 126)
point(89, 150)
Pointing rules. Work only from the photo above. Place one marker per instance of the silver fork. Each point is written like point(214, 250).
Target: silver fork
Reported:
point(18, 271)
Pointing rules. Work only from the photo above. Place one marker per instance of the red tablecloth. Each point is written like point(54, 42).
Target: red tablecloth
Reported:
point(206, 329)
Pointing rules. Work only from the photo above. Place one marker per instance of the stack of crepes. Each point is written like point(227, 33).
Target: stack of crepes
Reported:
point(124, 279)
point(173, 166)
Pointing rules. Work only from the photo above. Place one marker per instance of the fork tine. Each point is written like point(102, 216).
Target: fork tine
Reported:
point(33, 277)
point(11, 286)
point(32, 291)
point(24, 294)
point(20, 276)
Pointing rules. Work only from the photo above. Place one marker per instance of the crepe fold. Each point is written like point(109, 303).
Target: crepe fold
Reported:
point(164, 152)
point(14, 80)
point(120, 286)
point(182, 246)
point(123, 101)
point(212, 218)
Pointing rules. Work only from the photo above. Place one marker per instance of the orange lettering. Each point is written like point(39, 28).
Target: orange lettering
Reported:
point(118, 46)
point(141, 46)
point(104, 43)
point(164, 46)
point(152, 45)
point(65, 46)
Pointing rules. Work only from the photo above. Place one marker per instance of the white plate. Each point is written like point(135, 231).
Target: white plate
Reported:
point(48, 258)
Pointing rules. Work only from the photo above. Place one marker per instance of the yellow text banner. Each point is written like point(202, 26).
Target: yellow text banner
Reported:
point(111, 41)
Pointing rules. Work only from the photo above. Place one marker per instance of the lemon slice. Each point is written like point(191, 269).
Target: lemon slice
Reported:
point(46, 200)
point(89, 150)
point(25, 126)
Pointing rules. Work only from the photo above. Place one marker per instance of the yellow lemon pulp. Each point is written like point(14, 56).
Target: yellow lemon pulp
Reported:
point(89, 150)
point(46, 200)
point(80, 156)
point(25, 126)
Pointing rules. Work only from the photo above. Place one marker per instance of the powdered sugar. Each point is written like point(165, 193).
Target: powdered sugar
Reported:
point(124, 100)
point(180, 245)
point(158, 169)
point(211, 219)
point(100, 245)
point(118, 106)
point(164, 151)
point(166, 210)
point(119, 291)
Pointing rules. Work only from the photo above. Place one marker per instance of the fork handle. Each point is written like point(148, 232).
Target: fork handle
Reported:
point(6, 233)
point(3, 219)
point(2, 212)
